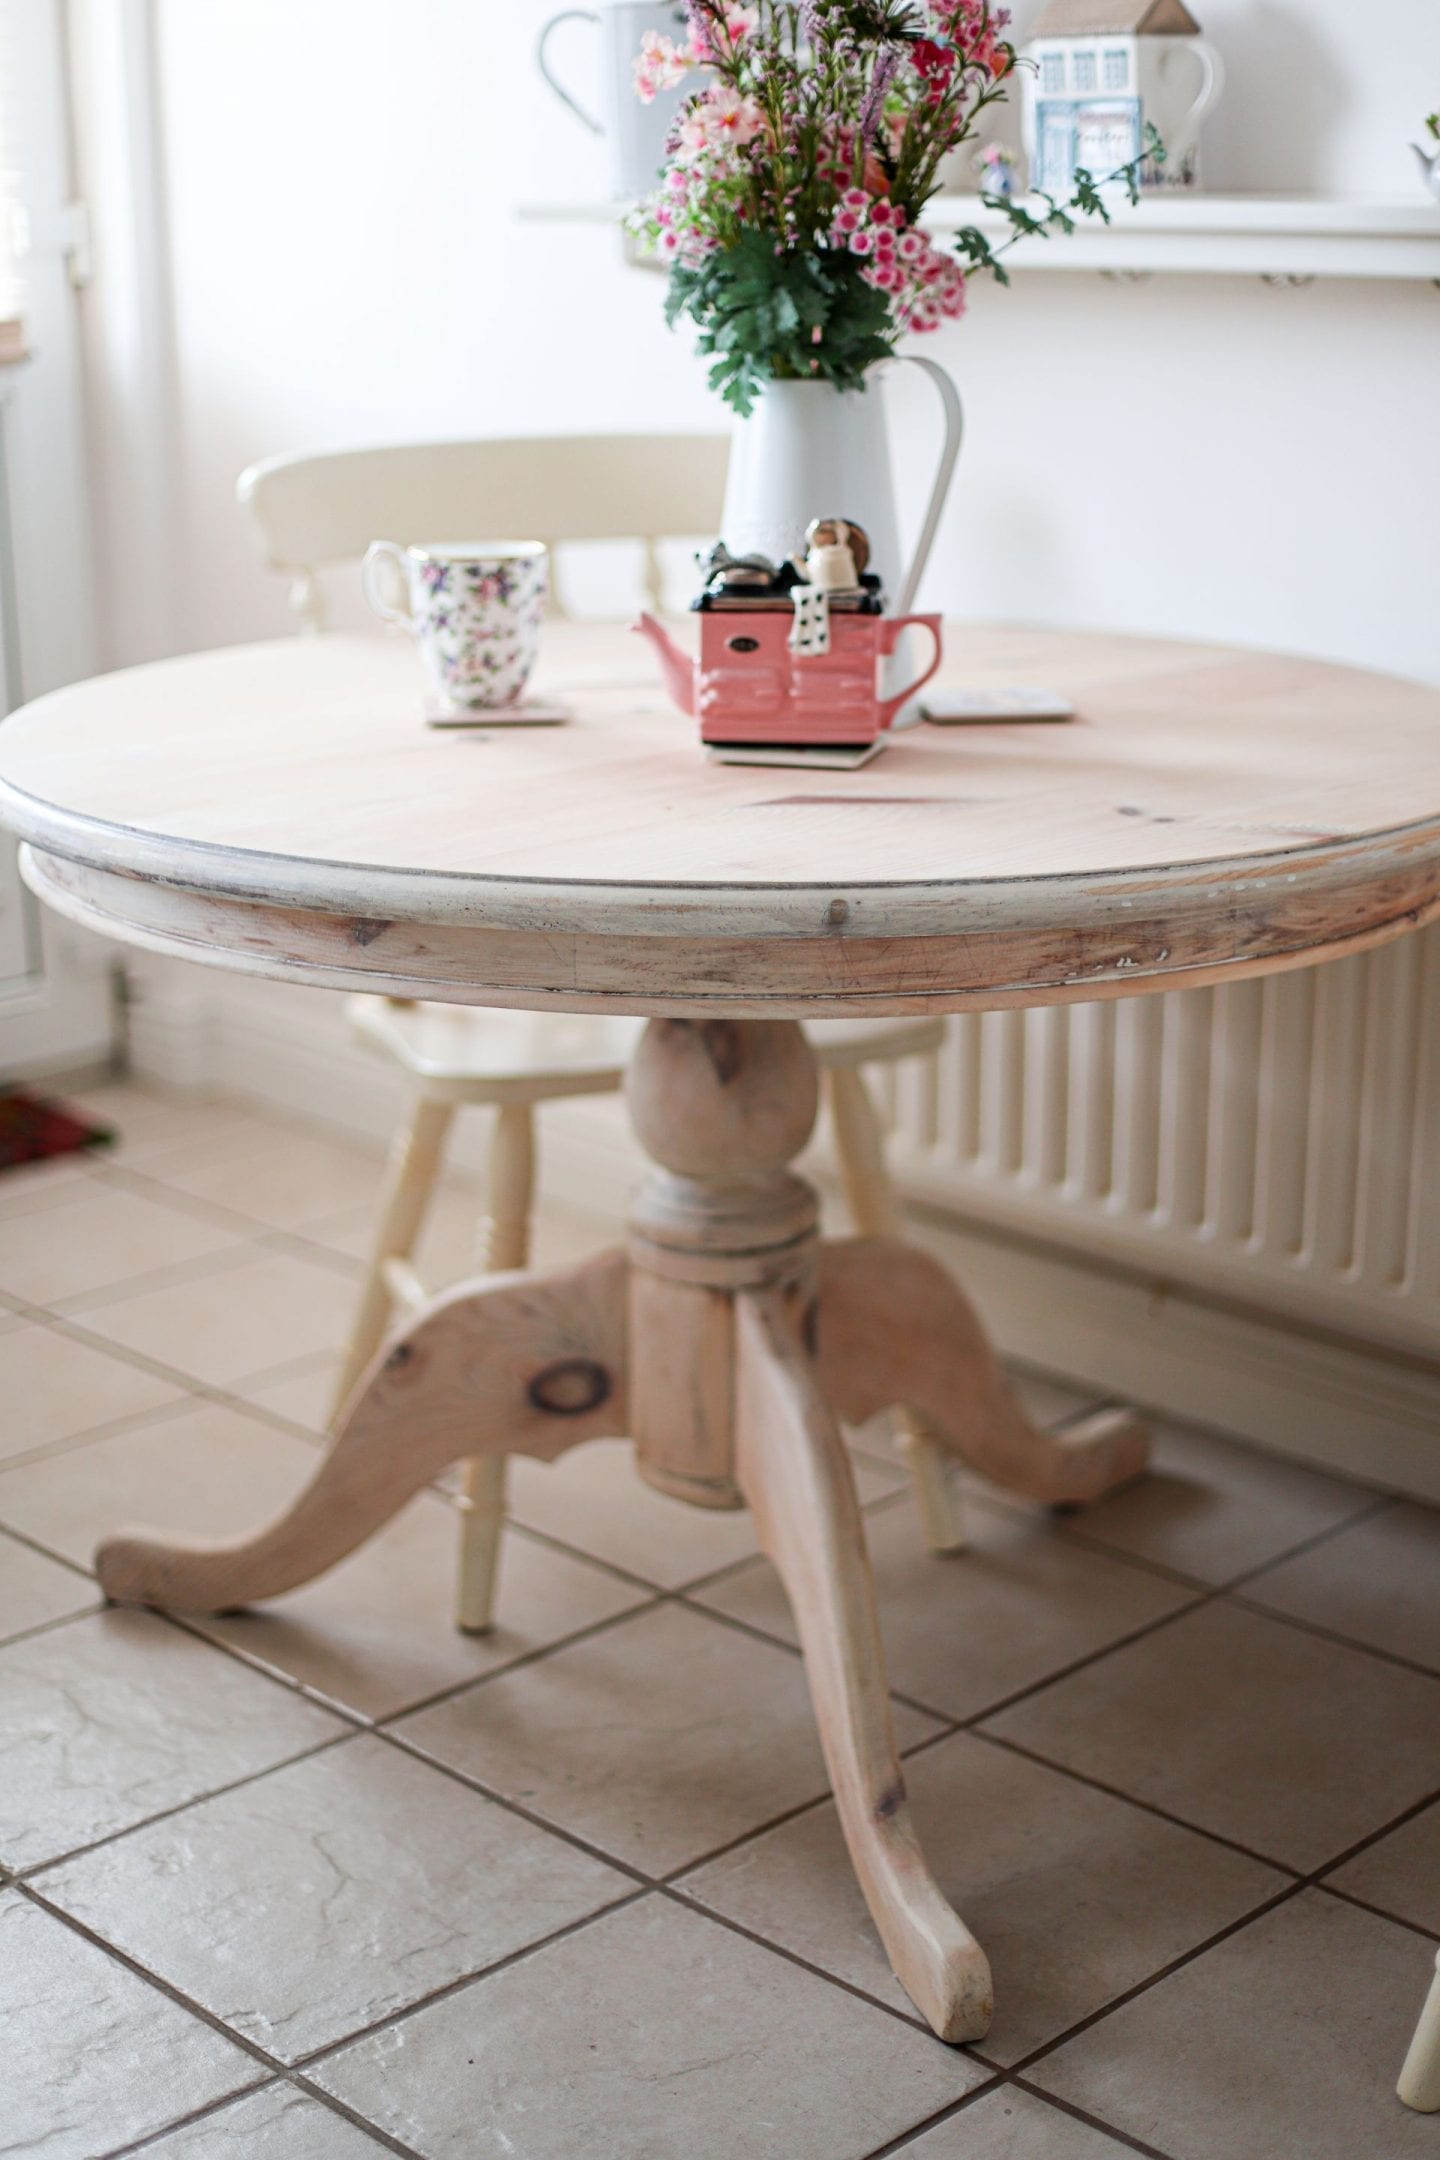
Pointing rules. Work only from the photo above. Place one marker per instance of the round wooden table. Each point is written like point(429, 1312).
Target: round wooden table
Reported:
point(281, 809)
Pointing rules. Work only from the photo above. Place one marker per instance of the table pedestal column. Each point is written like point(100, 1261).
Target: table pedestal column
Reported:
point(727, 1341)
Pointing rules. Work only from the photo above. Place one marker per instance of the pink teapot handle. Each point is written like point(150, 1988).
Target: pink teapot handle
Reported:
point(889, 638)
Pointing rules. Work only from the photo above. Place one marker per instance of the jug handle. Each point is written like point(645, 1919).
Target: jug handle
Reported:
point(577, 14)
point(1212, 82)
point(950, 451)
point(888, 640)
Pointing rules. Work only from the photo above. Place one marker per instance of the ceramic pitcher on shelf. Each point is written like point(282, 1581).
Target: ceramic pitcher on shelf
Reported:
point(809, 450)
point(635, 132)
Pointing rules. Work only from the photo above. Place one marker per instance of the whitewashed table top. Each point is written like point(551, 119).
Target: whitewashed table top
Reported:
point(1211, 812)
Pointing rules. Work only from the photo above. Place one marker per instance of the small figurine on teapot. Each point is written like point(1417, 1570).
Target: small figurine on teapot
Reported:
point(790, 653)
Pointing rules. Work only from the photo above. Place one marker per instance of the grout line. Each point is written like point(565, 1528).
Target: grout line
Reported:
point(1146, 1807)
point(1332, 1635)
point(165, 1987)
point(152, 2138)
point(113, 1428)
point(48, 1627)
point(342, 2108)
point(457, 1986)
point(1094, 2122)
point(26, 1876)
point(1380, 1912)
point(46, 1552)
point(1283, 1896)
point(225, 1260)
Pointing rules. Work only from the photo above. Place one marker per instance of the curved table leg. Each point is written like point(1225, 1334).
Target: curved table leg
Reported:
point(894, 1328)
point(519, 1364)
point(792, 1467)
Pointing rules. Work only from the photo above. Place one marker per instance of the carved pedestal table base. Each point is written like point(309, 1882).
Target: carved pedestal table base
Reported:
point(728, 1341)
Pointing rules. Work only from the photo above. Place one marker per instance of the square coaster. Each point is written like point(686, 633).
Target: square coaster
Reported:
point(819, 757)
point(525, 712)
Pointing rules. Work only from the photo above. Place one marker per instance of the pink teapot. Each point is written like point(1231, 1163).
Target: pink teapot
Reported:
point(750, 686)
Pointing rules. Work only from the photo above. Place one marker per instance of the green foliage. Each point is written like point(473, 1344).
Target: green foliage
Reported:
point(1433, 123)
point(1088, 200)
point(766, 314)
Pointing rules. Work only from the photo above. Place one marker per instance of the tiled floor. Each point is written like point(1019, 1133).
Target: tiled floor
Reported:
point(330, 1880)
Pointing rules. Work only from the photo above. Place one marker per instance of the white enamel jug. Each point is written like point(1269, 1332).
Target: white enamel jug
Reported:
point(635, 132)
point(809, 450)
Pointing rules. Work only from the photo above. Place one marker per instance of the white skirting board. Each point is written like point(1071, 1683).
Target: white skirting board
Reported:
point(1182, 1351)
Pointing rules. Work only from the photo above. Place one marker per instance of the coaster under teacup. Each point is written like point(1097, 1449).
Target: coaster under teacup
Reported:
point(525, 712)
point(820, 757)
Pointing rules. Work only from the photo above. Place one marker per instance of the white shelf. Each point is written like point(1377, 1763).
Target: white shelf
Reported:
point(1184, 234)
point(1203, 235)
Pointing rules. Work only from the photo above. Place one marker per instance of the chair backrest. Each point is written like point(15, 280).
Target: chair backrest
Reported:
point(315, 512)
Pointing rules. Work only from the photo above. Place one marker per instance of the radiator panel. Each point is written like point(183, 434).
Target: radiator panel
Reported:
point(1274, 1141)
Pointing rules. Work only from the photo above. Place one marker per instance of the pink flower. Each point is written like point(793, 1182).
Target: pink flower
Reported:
point(861, 243)
point(659, 65)
point(723, 115)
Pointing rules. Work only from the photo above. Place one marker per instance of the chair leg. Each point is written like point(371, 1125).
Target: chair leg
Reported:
point(505, 1245)
point(1419, 2085)
point(871, 1199)
point(414, 1166)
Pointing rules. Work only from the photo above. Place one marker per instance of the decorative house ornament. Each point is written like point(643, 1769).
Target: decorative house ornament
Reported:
point(1102, 72)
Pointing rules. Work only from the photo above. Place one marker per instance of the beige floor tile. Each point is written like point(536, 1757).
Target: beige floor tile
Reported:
point(52, 1388)
point(1281, 2043)
point(448, 1244)
point(109, 1719)
point(108, 1237)
point(592, 1498)
point(968, 1629)
point(1076, 1897)
point(1214, 1509)
point(299, 1391)
point(649, 2035)
point(1291, 1745)
point(156, 1131)
point(34, 1590)
point(1377, 1583)
point(34, 1188)
point(1004, 2125)
point(315, 1901)
point(658, 1739)
point(243, 1319)
point(276, 2124)
point(91, 2055)
point(284, 1181)
point(378, 1633)
point(200, 1471)
point(1401, 1873)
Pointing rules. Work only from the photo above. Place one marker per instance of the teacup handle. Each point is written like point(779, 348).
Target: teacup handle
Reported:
point(576, 14)
point(386, 552)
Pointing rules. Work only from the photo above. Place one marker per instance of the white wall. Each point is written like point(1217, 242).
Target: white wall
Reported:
point(1209, 457)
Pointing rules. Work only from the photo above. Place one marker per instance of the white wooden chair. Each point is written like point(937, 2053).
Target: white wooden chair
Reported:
point(318, 513)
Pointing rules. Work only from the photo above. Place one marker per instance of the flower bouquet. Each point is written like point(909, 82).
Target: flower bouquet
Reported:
point(790, 202)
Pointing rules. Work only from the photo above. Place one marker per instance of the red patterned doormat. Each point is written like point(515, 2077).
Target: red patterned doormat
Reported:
point(31, 1129)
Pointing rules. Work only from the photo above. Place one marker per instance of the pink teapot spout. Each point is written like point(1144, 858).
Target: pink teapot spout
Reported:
point(679, 668)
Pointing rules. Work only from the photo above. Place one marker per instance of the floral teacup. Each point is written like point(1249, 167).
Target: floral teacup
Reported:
point(474, 608)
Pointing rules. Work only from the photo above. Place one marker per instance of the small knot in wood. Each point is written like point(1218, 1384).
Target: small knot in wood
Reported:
point(570, 1387)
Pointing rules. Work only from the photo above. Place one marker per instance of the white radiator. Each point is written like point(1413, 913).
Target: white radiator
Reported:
point(1274, 1143)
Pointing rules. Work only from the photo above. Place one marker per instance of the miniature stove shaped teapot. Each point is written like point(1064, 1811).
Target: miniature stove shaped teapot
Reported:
point(791, 655)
